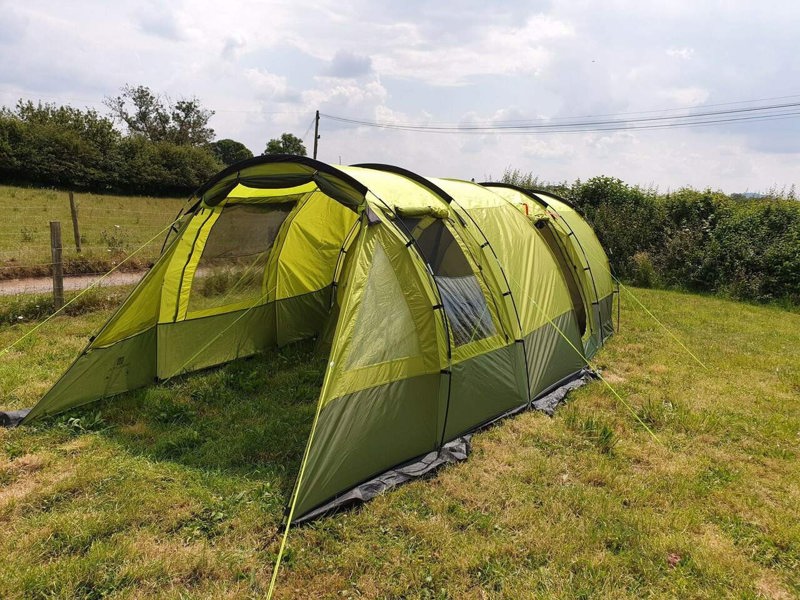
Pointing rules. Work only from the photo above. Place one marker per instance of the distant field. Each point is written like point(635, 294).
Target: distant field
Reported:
point(176, 491)
point(111, 227)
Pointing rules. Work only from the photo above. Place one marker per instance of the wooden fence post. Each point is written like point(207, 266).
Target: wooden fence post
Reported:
point(58, 265)
point(76, 230)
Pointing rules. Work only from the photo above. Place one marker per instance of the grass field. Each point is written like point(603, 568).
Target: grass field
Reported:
point(177, 491)
point(111, 227)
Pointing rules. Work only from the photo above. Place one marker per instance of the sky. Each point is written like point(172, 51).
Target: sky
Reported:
point(265, 67)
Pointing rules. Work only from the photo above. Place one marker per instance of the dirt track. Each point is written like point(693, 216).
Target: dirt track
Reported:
point(44, 285)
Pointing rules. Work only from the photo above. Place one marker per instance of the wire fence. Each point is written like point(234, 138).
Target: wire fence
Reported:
point(108, 229)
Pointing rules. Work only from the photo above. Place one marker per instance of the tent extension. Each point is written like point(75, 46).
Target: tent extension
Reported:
point(445, 308)
point(577, 248)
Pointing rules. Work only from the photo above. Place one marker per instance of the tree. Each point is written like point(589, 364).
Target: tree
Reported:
point(230, 151)
point(159, 119)
point(286, 144)
point(58, 145)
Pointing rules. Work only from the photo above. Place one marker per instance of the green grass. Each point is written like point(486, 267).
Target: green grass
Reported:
point(111, 227)
point(177, 490)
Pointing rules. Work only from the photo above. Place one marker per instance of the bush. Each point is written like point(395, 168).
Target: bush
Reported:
point(644, 274)
point(627, 219)
point(747, 248)
point(163, 168)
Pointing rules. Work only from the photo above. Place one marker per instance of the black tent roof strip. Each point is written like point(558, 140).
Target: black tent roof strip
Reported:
point(318, 166)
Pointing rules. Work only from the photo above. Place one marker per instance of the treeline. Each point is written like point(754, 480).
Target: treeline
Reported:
point(61, 146)
point(706, 241)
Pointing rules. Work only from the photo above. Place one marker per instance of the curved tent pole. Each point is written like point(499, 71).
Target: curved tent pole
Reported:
point(535, 195)
point(428, 184)
point(521, 339)
point(529, 191)
point(412, 241)
point(318, 166)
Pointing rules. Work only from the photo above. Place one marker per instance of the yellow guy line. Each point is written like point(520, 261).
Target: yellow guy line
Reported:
point(89, 287)
point(295, 495)
point(220, 334)
point(652, 316)
point(603, 260)
point(664, 327)
point(596, 371)
point(296, 492)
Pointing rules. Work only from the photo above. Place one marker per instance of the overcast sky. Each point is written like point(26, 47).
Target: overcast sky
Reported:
point(265, 67)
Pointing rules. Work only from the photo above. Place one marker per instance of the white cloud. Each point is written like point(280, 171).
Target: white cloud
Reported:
point(266, 67)
point(233, 47)
point(160, 20)
point(685, 96)
point(347, 65)
point(683, 53)
point(499, 50)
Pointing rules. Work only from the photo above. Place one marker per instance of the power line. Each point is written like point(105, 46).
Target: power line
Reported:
point(737, 116)
point(308, 129)
point(749, 113)
point(637, 112)
point(624, 121)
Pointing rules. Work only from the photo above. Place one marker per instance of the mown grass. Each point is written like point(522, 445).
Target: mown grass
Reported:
point(177, 491)
point(111, 227)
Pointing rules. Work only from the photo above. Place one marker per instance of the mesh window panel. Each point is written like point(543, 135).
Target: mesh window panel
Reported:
point(462, 297)
point(231, 269)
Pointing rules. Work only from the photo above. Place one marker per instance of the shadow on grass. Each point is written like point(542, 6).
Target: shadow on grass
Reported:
point(249, 418)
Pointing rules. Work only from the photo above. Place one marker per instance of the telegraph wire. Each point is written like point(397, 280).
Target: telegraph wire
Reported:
point(637, 112)
point(743, 114)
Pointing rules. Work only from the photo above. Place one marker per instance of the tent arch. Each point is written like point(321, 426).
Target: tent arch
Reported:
point(552, 202)
point(470, 243)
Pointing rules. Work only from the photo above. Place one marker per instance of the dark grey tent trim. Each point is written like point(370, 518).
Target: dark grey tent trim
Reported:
point(454, 451)
point(548, 401)
point(12, 418)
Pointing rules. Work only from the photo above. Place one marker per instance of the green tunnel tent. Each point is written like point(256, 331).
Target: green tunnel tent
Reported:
point(443, 305)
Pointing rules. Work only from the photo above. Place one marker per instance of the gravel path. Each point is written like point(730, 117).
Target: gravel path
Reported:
point(44, 285)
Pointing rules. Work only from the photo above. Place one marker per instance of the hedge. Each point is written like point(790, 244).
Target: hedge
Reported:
point(703, 241)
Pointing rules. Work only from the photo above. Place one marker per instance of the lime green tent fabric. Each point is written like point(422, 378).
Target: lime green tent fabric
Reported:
point(569, 235)
point(445, 305)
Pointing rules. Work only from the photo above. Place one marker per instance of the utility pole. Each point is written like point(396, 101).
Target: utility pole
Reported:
point(316, 134)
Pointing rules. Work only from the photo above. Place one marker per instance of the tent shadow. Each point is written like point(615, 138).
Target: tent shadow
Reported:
point(249, 418)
